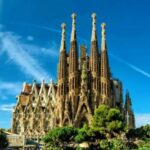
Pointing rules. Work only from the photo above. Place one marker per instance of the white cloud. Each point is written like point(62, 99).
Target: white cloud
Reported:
point(8, 89)
point(142, 119)
point(135, 68)
point(8, 85)
point(7, 107)
point(12, 45)
point(15, 87)
point(52, 51)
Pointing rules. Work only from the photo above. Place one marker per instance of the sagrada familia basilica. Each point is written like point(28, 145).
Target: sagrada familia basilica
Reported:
point(84, 83)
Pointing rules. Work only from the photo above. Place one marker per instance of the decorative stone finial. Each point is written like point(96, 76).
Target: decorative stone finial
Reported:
point(63, 26)
point(74, 17)
point(103, 46)
point(94, 20)
point(103, 25)
point(24, 85)
point(73, 26)
point(94, 15)
point(93, 27)
point(63, 36)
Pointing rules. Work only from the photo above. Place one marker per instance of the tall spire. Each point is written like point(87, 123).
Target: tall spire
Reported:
point(105, 72)
point(73, 54)
point(128, 102)
point(63, 36)
point(129, 115)
point(94, 36)
point(103, 44)
point(73, 68)
point(73, 33)
point(62, 58)
point(62, 75)
point(94, 63)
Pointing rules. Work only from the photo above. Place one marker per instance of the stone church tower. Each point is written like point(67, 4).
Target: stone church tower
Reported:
point(105, 72)
point(62, 78)
point(73, 70)
point(94, 65)
point(83, 84)
point(128, 112)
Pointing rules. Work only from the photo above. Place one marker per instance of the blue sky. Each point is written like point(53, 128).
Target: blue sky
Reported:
point(30, 41)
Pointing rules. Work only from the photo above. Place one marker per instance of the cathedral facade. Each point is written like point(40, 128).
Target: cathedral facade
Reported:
point(84, 83)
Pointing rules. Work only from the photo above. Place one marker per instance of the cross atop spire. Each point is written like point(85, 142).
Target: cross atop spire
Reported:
point(73, 36)
point(63, 36)
point(103, 44)
point(93, 27)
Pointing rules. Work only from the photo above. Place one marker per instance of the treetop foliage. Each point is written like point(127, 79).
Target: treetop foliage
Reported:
point(104, 132)
point(109, 119)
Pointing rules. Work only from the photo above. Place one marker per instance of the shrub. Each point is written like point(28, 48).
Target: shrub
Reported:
point(117, 144)
point(115, 126)
point(58, 136)
point(83, 134)
point(104, 145)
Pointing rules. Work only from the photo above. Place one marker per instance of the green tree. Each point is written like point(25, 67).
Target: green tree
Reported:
point(100, 118)
point(146, 129)
point(107, 119)
point(104, 145)
point(117, 144)
point(59, 136)
point(107, 123)
point(84, 134)
point(3, 140)
point(140, 133)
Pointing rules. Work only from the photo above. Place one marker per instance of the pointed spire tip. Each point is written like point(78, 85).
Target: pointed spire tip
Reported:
point(103, 43)
point(63, 25)
point(93, 38)
point(73, 16)
point(73, 32)
point(93, 15)
point(103, 25)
